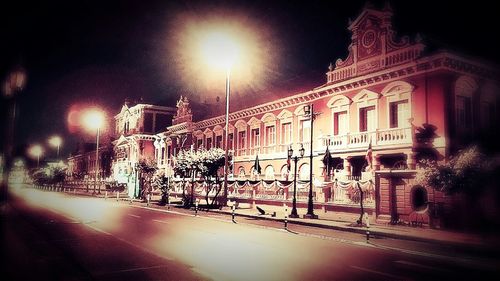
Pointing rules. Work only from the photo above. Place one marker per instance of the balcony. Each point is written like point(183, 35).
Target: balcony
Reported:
point(393, 136)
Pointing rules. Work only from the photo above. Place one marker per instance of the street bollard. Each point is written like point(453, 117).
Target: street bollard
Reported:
point(196, 208)
point(106, 195)
point(117, 196)
point(232, 214)
point(367, 220)
point(148, 199)
point(286, 216)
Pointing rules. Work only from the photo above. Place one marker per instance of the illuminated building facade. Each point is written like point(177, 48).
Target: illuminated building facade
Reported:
point(135, 128)
point(389, 93)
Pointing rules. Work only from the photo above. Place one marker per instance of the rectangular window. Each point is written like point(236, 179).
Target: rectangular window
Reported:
point(340, 123)
point(305, 131)
point(286, 133)
point(270, 135)
point(199, 143)
point(367, 119)
point(148, 122)
point(242, 139)
point(218, 141)
point(230, 141)
point(464, 112)
point(162, 122)
point(255, 138)
point(209, 143)
point(399, 114)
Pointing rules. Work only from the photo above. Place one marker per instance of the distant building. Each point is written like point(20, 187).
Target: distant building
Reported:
point(135, 128)
point(81, 164)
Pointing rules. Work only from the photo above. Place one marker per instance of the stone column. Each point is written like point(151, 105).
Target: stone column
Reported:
point(347, 165)
point(411, 160)
point(376, 162)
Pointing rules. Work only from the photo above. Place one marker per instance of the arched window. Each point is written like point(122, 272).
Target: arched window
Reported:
point(367, 104)
point(398, 96)
point(241, 173)
point(285, 175)
point(304, 172)
point(418, 197)
point(269, 173)
point(339, 106)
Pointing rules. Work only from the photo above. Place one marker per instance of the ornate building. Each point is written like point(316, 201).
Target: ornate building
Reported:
point(388, 95)
point(136, 125)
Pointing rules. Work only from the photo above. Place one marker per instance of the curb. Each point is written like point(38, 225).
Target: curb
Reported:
point(363, 230)
point(360, 230)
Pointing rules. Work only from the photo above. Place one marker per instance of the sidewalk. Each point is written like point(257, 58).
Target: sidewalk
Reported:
point(346, 222)
point(342, 222)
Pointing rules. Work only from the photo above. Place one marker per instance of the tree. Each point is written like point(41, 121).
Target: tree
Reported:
point(207, 163)
point(161, 181)
point(466, 172)
point(472, 176)
point(210, 162)
point(147, 168)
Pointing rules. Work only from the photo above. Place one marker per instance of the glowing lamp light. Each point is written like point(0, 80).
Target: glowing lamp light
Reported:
point(93, 119)
point(55, 141)
point(36, 151)
point(219, 49)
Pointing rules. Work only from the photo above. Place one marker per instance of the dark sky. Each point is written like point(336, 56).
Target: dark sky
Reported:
point(100, 52)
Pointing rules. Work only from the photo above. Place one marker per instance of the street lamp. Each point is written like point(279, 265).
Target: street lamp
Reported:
point(56, 141)
point(94, 119)
point(295, 159)
point(309, 111)
point(36, 150)
point(221, 50)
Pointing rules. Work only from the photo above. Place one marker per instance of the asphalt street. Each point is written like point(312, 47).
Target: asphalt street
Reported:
point(55, 236)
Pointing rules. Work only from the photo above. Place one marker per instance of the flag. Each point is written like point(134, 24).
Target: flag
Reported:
point(288, 165)
point(327, 159)
point(256, 165)
point(369, 155)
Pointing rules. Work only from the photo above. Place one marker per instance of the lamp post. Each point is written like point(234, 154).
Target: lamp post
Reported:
point(221, 50)
point(94, 119)
point(56, 141)
point(295, 159)
point(309, 111)
point(36, 151)
point(226, 136)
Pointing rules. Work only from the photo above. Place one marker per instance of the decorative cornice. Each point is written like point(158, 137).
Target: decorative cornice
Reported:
point(440, 61)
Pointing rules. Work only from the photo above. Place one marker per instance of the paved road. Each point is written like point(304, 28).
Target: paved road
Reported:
point(88, 238)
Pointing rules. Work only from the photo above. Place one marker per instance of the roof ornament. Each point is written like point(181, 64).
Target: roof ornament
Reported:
point(330, 67)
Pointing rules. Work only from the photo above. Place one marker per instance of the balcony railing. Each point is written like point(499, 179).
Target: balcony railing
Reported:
point(393, 136)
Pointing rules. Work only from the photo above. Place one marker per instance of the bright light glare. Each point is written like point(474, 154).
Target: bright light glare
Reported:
point(93, 119)
point(55, 141)
point(35, 150)
point(219, 49)
point(203, 47)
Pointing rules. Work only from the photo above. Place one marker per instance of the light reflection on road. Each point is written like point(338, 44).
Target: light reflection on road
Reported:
point(218, 250)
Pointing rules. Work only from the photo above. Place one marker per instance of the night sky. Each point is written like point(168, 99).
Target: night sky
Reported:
point(101, 52)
